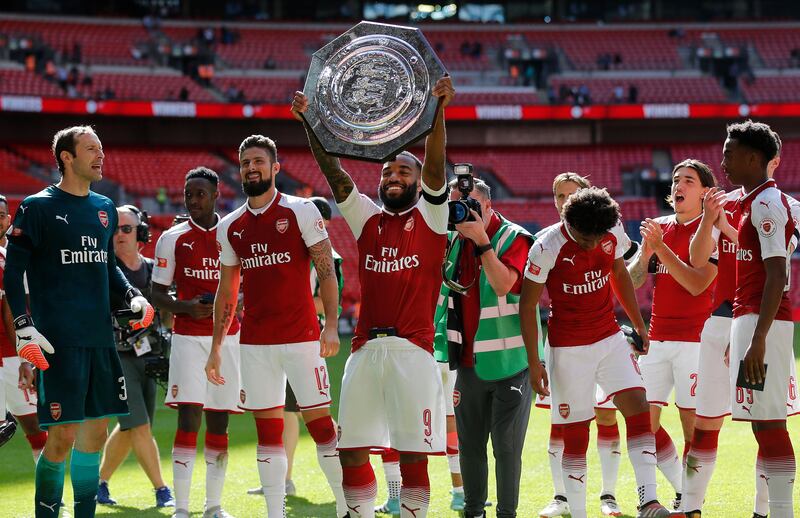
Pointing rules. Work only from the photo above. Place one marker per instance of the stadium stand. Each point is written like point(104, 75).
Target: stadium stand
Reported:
point(100, 43)
point(651, 90)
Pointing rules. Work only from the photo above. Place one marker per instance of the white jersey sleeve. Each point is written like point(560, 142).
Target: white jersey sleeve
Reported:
point(541, 259)
point(164, 268)
point(435, 214)
point(357, 209)
point(227, 255)
point(623, 241)
point(769, 217)
point(312, 227)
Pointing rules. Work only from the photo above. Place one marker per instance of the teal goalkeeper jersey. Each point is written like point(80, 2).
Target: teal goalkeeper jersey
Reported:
point(63, 243)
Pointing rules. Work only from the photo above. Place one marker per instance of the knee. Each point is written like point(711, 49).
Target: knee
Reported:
point(353, 458)
point(141, 432)
point(606, 417)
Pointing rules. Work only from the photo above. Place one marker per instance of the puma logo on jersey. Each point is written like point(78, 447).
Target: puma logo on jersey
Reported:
point(23, 209)
point(239, 234)
point(764, 203)
point(62, 218)
point(429, 442)
point(182, 463)
point(746, 409)
point(579, 479)
point(645, 452)
point(729, 213)
point(52, 507)
point(570, 260)
point(518, 389)
point(189, 245)
point(412, 511)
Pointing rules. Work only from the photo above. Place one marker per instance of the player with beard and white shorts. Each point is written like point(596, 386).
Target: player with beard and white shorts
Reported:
point(271, 241)
point(392, 393)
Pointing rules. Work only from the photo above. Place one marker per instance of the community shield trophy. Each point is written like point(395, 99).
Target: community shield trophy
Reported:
point(369, 91)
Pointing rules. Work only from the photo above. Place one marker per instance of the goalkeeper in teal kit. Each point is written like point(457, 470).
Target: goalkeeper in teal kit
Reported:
point(61, 240)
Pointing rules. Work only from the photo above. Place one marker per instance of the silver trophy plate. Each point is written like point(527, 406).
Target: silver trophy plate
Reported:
point(369, 91)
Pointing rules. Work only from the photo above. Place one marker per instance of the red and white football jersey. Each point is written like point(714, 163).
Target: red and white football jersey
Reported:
point(677, 315)
point(271, 245)
point(578, 282)
point(726, 253)
point(187, 254)
point(399, 265)
point(7, 349)
point(765, 230)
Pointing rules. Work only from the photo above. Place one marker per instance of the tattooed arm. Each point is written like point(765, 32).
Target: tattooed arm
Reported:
point(433, 169)
point(638, 267)
point(224, 312)
point(329, 292)
point(340, 182)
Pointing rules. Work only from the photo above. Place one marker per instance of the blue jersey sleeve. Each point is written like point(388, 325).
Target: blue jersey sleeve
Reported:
point(25, 236)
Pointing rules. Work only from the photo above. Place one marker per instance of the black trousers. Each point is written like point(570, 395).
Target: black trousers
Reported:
point(500, 409)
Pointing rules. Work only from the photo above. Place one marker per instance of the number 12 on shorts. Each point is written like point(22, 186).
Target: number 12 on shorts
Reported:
point(321, 374)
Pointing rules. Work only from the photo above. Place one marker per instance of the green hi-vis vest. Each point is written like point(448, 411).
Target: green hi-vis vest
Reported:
point(498, 347)
point(337, 267)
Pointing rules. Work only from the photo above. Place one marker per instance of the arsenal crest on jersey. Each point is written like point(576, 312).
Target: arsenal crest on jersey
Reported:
point(55, 411)
point(409, 226)
point(242, 396)
point(456, 397)
point(174, 391)
point(282, 225)
point(103, 217)
point(608, 247)
point(563, 410)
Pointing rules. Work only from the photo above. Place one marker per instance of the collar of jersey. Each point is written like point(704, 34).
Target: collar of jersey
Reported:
point(399, 213)
point(566, 232)
point(688, 222)
point(201, 229)
point(263, 209)
point(769, 183)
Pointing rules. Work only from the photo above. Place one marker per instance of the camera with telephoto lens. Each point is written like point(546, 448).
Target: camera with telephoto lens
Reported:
point(459, 209)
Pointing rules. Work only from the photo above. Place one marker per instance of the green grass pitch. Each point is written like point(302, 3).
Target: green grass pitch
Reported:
point(730, 493)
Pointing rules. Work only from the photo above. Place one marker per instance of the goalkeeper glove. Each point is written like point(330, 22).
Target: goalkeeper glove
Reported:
point(30, 342)
point(139, 304)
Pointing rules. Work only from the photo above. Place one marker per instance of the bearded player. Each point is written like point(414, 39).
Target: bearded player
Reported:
point(392, 393)
point(270, 241)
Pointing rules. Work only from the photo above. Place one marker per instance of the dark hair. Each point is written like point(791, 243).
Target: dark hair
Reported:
point(707, 178)
point(323, 206)
point(757, 136)
point(65, 140)
point(778, 140)
point(261, 141)
point(3, 200)
point(410, 155)
point(205, 173)
point(591, 211)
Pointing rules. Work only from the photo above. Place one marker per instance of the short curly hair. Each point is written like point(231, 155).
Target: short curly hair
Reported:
point(591, 211)
point(757, 136)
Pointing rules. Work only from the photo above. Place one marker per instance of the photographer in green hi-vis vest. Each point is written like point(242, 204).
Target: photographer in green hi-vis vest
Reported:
point(478, 334)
